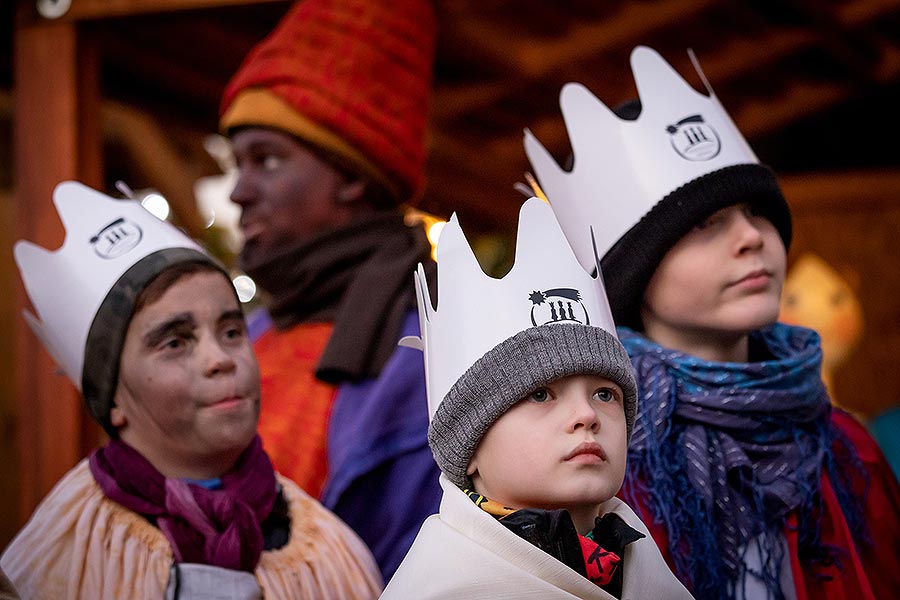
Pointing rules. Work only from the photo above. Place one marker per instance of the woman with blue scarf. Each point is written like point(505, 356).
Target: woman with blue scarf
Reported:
point(752, 485)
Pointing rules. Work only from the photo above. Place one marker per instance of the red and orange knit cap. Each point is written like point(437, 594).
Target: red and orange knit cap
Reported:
point(349, 77)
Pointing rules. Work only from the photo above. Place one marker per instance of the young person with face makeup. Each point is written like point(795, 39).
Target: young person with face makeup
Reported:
point(183, 501)
point(327, 117)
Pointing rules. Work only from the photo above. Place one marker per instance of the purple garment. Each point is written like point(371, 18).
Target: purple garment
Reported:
point(258, 322)
point(214, 527)
point(383, 480)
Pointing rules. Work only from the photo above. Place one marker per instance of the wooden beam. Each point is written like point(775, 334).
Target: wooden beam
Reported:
point(871, 189)
point(862, 12)
point(533, 57)
point(740, 55)
point(85, 10)
point(52, 142)
point(734, 60)
point(757, 117)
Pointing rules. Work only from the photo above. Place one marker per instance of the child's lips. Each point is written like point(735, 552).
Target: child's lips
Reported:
point(588, 452)
point(754, 279)
point(228, 402)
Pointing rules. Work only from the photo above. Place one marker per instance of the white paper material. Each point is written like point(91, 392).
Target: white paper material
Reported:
point(623, 168)
point(104, 238)
point(475, 312)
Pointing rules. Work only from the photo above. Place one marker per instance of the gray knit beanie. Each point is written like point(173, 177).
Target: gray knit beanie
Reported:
point(507, 373)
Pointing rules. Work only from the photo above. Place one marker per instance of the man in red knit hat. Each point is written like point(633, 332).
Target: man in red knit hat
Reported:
point(327, 117)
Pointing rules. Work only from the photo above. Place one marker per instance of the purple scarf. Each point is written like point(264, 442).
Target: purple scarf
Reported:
point(213, 527)
point(726, 450)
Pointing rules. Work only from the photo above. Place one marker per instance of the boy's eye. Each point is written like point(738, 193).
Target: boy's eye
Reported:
point(539, 395)
point(708, 221)
point(174, 343)
point(751, 210)
point(234, 332)
point(605, 395)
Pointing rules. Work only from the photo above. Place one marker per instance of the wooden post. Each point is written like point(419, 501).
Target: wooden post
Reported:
point(55, 137)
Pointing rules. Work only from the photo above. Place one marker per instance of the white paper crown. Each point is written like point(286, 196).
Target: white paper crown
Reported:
point(475, 312)
point(104, 238)
point(623, 168)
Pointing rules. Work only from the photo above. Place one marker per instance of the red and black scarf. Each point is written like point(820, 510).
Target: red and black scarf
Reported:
point(596, 555)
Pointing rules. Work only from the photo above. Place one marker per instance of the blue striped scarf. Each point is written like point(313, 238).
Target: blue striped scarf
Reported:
point(724, 451)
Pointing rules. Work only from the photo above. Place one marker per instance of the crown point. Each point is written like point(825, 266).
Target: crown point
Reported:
point(30, 256)
point(608, 186)
point(658, 83)
point(476, 312)
point(85, 268)
point(453, 247)
point(538, 154)
point(24, 248)
point(587, 119)
point(423, 295)
point(547, 170)
point(537, 222)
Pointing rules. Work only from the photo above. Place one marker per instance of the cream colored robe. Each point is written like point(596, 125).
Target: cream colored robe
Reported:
point(463, 552)
point(80, 544)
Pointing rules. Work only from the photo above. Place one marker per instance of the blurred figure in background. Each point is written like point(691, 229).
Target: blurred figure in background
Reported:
point(817, 296)
point(327, 117)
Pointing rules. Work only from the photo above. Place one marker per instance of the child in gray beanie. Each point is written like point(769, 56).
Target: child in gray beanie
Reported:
point(532, 401)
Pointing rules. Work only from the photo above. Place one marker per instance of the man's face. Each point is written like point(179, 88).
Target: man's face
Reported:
point(721, 280)
point(287, 194)
point(188, 390)
point(563, 446)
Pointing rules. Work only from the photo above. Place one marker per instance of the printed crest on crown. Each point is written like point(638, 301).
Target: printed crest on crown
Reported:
point(104, 238)
point(476, 312)
point(622, 168)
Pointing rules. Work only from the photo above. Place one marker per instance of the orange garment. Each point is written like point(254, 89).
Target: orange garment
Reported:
point(296, 406)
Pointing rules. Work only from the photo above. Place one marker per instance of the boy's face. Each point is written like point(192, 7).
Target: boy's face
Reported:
point(287, 194)
point(722, 279)
point(188, 389)
point(564, 446)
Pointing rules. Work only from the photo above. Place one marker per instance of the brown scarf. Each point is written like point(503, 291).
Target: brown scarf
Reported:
point(359, 277)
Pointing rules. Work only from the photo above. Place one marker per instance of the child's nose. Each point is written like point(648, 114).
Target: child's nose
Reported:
point(748, 232)
point(216, 359)
point(583, 415)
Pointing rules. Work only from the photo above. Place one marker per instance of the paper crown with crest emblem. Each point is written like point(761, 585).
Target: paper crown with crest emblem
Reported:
point(84, 292)
point(642, 183)
point(491, 341)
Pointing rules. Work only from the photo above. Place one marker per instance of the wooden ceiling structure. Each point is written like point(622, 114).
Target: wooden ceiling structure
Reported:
point(805, 81)
point(127, 89)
